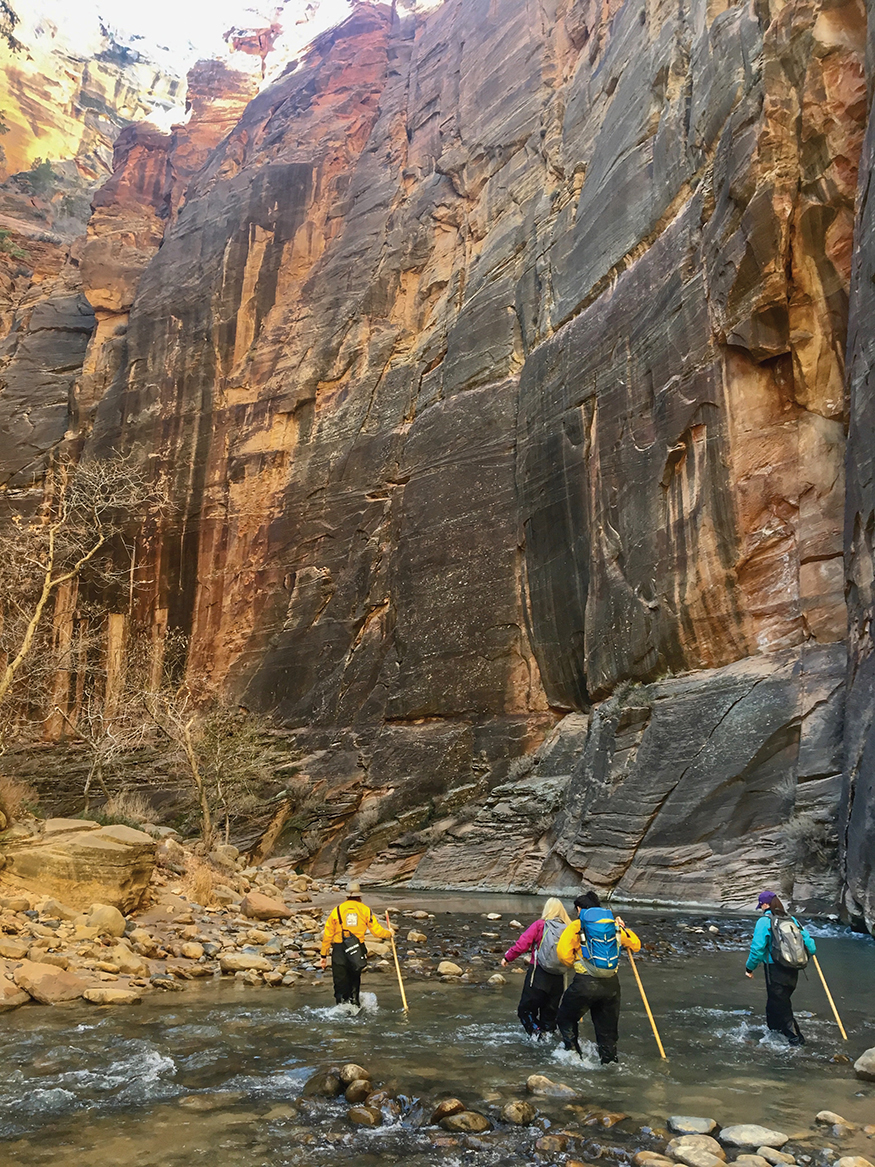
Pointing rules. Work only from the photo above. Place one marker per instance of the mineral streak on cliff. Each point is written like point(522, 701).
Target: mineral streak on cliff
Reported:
point(496, 359)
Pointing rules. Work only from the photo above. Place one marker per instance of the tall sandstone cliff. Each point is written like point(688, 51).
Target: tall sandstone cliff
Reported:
point(496, 359)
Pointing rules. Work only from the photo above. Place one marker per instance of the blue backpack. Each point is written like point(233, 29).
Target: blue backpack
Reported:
point(599, 942)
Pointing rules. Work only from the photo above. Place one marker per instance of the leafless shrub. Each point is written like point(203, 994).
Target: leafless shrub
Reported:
point(200, 881)
point(814, 840)
point(128, 806)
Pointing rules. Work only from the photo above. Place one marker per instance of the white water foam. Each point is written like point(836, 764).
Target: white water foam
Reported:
point(572, 1059)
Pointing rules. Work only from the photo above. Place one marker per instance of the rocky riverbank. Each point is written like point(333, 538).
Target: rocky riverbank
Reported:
point(551, 1122)
point(207, 916)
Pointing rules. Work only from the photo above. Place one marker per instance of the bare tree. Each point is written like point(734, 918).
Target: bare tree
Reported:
point(221, 750)
point(78, 533)
point(109, 735)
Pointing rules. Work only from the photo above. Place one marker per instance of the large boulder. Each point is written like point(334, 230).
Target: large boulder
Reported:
point(261, 907)
point(128, 962)
point(864, 1066)
point(233, 962)
point(11, 996)
point(79, 862)
point(752, 1135)
point(106, 919)
point(108, 995)
point(48, 984)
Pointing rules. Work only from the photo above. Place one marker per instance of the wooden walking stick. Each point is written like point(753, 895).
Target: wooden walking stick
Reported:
point(646, 1005)
point(397, 966)
point(832, 1003)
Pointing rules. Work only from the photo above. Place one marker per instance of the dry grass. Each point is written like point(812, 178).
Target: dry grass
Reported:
point(199, 880)
point(128, 806)
point(15, 797)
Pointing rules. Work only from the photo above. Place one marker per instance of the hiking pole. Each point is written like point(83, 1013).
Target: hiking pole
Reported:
point(646, 1005)
point(397, 965)
point(832, 1003)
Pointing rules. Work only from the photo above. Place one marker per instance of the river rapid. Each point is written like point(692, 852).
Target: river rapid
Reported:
point(215, 1074)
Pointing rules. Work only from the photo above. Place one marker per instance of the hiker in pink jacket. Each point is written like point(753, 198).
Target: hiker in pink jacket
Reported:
point(545, 976)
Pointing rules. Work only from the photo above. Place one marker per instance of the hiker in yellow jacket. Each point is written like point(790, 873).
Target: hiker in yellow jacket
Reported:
point(594, 988)
point(352, 917)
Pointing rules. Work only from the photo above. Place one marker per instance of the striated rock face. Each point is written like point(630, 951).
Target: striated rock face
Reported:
point(496, 362)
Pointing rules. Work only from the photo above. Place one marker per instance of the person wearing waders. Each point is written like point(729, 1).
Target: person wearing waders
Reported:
point(591, 946)
point(545, 976)
point(345, 925)
point(782, 946)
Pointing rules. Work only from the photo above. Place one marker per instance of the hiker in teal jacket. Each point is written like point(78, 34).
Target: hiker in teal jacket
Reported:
point(780, 980)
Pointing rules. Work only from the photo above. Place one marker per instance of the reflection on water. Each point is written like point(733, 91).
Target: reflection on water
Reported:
point(216, 1073)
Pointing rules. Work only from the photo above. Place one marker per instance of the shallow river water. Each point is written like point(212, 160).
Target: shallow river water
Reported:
point(215, 1074)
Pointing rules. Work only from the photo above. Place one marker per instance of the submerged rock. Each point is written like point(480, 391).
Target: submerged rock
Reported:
point(364, 1115)
point(358, 1090)
point(688, 1125)
point(519, 1113)
point(445, 1108)
point(546, 1087)
point(751, 1135)
point(447, 968)
point(215, 1100)
point(550, 1145)
point(323, 1084)
point(774, 1156)
point(696, 1151)
point(470, 1121)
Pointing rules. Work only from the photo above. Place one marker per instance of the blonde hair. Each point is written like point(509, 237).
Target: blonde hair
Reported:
point(553, 910)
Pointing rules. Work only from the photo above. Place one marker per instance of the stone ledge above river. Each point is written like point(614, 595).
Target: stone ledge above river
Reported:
point(80, 863)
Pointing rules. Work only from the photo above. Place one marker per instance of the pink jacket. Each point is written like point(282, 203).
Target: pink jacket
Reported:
point(529, 940)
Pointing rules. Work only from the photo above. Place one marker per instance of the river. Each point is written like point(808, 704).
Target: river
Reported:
point(215, 1074)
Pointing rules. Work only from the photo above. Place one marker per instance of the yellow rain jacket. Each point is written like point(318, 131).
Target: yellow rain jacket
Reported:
point(569, 951)
point(351, 916)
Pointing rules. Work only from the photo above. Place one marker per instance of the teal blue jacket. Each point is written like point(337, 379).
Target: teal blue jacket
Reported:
point(760, 945)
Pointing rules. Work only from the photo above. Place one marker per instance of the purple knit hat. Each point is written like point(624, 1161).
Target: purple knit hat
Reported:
point(765, 897)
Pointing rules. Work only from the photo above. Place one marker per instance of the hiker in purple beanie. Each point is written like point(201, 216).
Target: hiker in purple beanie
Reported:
point(782, 946)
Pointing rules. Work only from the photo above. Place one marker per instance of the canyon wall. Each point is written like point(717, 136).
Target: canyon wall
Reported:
point(858, 803)
point(495, 358)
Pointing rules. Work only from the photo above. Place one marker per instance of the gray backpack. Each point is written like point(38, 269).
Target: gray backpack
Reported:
point(787, 942)
point(546, 956)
